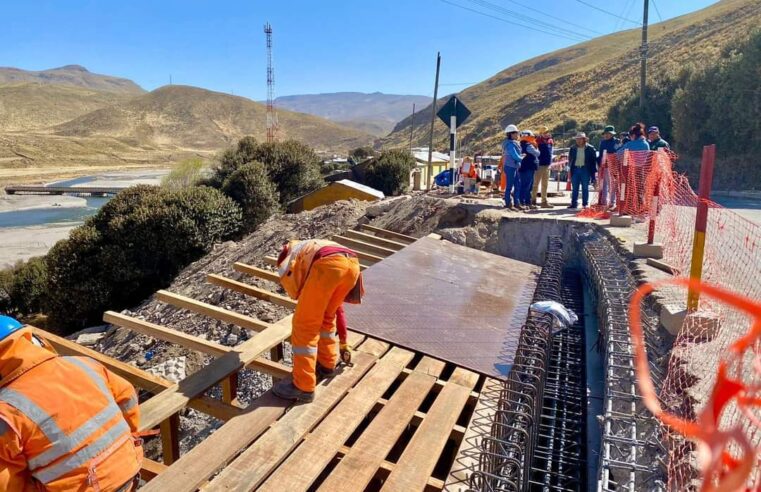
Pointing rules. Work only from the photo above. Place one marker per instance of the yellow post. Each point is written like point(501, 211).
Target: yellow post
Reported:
point(701, 222)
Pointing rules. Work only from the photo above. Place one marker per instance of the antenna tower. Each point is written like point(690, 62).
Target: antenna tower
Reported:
point(271, 115)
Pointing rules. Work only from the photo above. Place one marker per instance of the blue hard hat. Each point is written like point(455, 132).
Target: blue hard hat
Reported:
point(8, 325)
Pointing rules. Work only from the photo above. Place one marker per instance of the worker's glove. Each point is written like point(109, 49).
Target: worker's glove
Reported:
point(345, 352)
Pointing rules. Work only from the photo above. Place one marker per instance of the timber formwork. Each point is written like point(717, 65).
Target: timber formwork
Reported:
point(393, 420)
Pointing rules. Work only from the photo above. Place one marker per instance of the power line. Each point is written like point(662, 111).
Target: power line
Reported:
point(558, 18)
point(609, 13)
point(459, 83)
point(660, 19)
point(544, 25)
point(502, 19)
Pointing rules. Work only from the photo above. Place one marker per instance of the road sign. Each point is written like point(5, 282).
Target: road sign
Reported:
point(453, 107)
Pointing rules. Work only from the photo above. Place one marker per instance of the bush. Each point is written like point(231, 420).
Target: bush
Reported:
point(361, 153)
point(231, 159)
point(22, 288)
point(253, 191)
point(183, 175)
point(134, 245)
point(390, 173)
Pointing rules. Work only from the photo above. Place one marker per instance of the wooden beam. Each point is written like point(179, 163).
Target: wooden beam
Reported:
point(256, 272)
point(170, 439)
point(192, 342)
point(271, 260)
point(389, 467)
point(361, 246)
point(138, 377)
point(363, 264)
point(380, 241)
point(395, 236)
point(250, 290)
point(211, 311)
point(230, 389)
point(150, 469)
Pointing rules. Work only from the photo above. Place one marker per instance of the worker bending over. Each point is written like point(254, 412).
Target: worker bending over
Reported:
point(321, 275)
point(66, 423)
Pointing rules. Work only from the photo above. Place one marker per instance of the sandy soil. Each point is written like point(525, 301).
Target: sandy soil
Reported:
point(15, 203)
point(21, 243)
point(47, 174)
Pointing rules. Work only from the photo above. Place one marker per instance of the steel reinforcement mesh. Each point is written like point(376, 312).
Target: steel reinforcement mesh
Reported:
point(506, 453)
point(632, 454)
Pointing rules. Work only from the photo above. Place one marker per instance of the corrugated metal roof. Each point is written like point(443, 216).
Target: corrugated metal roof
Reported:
point(362, 188)
point(435, 157)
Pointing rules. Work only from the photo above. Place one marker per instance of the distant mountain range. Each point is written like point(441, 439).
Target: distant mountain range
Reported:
point(374, 113)
point(69, 116)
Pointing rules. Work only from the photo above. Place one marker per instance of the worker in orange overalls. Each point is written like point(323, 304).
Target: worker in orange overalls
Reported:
point(469, 175)
point(66, 423)
point(322, 275)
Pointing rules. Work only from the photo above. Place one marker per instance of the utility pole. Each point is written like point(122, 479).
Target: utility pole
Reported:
point(271, 115)
point(643, 54)
point(433, 120)
point(412, 125)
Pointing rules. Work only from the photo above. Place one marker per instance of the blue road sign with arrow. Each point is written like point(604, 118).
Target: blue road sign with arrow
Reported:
point(453, 107)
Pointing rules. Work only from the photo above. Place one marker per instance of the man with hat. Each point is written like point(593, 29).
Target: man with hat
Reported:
point(544, 143)
point(655, 140)
point(582, 159)
point(608, 146)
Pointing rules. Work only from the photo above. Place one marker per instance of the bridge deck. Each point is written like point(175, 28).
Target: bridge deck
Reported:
point(61, 190)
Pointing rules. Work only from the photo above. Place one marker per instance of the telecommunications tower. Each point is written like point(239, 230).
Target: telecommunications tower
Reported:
point(271, 115)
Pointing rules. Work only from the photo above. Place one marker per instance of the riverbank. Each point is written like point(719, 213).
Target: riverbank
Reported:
point(30, 175)
point(18, 203)
point(22, 243)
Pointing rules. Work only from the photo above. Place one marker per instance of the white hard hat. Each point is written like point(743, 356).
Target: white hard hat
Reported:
point(527, 133)
point(511, 129)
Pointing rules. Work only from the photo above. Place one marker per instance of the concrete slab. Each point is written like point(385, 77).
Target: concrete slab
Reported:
point(644, 250)
point(672, 318)
point(620, 221)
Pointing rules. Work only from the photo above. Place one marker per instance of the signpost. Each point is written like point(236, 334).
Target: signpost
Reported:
point(453, 113)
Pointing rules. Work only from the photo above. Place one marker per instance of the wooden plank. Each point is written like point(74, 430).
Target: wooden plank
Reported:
point(150, 469)
point(192, 342)
point(403, 238)
point(367, 258)
point(663, 266)
point(466, 459)
point(389, 467)
point(419, 458)
point(138, 377)
point(363, 264)
point(359, 466)
point(170, 439)
point(230, 389)
point(380, 241)
point(306, 463)
point(176, 397)
point(250, 290)
point(271, 260)
point(212, 311)
point(203, 461)
point(365, 247)
point(256, 272)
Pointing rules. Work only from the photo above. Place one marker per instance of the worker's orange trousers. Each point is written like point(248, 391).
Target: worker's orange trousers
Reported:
point(314, 323)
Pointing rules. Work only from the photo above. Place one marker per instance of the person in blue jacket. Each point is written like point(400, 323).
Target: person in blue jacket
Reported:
point(608, 146)
point(529, 165)
point(637, 140)
point(582, 159)
point(511, 157)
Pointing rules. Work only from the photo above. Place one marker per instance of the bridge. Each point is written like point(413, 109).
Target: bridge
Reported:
point(61, 190)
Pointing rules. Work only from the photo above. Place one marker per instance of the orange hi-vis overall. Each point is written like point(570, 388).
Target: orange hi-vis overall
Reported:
point(321, 286)
point(66, 423)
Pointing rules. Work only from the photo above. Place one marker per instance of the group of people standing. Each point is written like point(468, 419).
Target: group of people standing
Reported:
point(526, 160)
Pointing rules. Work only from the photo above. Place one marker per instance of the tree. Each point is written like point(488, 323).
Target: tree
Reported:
point(22, 287)
point(362, 153)
point(252, 190)
point(390, 173)
point(292, 166)
point(183, 175)
point(231, 159)
point(134, 245)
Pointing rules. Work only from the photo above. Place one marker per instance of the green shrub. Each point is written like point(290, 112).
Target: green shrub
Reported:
point(184, 174)
point(253, 191)
point(292, 166)
point(134, 245)
point(231, 159)
point(390, 173)
point(362, 153)
point(22, 287)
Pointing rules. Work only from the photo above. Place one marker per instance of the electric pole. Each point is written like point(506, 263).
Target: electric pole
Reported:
point(433, 120)
point(643, 70)
point(271, 115)
point(412, 125)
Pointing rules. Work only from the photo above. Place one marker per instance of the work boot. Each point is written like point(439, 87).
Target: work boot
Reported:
point(533, 206)
point(324, 372)
point(286, 390)
point(546, 205)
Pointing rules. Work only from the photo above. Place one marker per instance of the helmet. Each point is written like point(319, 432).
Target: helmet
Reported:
point(511, 129)
point(527, 133)
point(8, 325)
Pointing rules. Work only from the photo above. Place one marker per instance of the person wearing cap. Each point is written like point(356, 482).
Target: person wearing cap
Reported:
point(321, 275)
point(608, 146)
point(66, 423)
point(511, 161)
point(529, 165)
point(582, 159)
point(655, 140)
point(544, 143)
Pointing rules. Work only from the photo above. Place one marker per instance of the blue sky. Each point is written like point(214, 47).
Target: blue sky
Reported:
point(319, 45)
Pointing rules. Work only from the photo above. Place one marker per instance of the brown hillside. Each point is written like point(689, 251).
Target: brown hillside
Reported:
point(188, 118)
point(582, 81)
point(70, 75)
point(32, 106)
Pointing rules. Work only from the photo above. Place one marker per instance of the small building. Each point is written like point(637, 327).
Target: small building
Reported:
point(439, 163)
point(340, 190)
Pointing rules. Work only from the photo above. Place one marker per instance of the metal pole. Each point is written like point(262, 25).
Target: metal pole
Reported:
point(623, 177)
point(701, 221)
point(643, 69)
point(452, 151)
point(653, 213)
point(433, 120)
point(412, 125)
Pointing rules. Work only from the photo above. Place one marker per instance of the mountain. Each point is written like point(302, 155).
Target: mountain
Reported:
point(581, 82)
point(192, 118)
point(70, 75)
point(375, 113)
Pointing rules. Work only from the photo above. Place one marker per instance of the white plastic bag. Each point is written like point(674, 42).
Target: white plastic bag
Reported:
point(562, 316)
